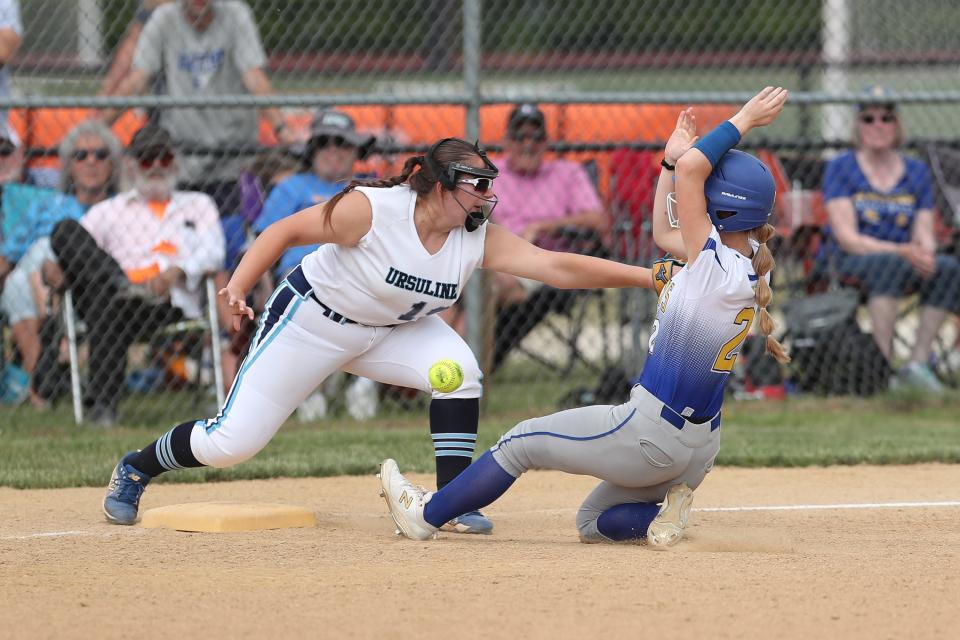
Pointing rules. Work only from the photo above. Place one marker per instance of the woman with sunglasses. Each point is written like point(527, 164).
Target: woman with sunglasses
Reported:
point(90, 160)
point(881, 235)
point(652, 451)
point(394, 253)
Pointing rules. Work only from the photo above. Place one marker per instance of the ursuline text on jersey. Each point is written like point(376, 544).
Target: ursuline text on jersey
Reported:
point(442, 290)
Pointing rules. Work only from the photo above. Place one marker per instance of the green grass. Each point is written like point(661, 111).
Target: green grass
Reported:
point(49, 451)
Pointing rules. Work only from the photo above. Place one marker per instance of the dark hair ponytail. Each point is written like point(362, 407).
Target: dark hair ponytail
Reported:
point(385, 183)
point(423, 181)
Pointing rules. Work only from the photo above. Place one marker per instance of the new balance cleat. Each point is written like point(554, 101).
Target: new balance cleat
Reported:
point(122, 501)
point(405, 501)
point(472, 522)
point(667, 527)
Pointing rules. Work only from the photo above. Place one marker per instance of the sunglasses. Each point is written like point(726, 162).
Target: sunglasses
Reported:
point(6, 152)
point(885, 118)
point(537, 136)
point(480, 185)
point(100, 154)
point(338, 141)
point(147, 160)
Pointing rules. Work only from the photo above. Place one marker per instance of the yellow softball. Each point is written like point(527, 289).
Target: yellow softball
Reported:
point(446, 376)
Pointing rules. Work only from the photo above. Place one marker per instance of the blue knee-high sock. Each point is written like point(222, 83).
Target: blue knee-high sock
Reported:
point(627, 521)
point(477, 486)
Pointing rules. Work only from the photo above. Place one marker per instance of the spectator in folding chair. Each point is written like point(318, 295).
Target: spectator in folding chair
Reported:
point(551, 203)
point(136, 262)
point(206, 48)
point(90, 160)
point(880, 204)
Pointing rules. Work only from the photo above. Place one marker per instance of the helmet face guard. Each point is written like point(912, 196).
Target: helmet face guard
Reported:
point(480, 179)
point(740, 192)
point(672, 216)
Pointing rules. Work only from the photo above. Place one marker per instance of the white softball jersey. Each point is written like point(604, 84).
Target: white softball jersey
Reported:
point(703, 317)
point(367, 310)
point(389, 277)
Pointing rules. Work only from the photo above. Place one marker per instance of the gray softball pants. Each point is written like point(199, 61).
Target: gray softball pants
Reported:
point(639, 449)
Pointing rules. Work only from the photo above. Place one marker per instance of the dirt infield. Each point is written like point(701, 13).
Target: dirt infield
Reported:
point(833, 573)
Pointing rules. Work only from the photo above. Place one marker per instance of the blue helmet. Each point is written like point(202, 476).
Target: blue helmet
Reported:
point(741, 188)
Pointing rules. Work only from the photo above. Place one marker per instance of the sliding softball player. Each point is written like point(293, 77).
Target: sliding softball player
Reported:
point(654, 450)
point(394, 253)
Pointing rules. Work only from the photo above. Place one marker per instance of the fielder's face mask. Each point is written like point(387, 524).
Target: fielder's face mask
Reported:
point(476, 181)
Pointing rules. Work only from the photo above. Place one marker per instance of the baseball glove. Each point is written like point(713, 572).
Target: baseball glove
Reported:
point(663, 270)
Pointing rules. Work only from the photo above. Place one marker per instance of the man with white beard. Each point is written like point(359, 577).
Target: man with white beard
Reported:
point(135, 262)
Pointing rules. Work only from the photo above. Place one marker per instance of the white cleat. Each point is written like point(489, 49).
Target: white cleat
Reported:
point(667, 528)
point(406, 502)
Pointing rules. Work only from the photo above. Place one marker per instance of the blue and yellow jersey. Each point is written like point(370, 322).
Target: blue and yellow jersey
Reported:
point(704, 314)
point(882, 215)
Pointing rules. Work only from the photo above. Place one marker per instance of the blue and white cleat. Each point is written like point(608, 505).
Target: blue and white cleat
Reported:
point(122, 501)
point(667, 527)
point(472, 522)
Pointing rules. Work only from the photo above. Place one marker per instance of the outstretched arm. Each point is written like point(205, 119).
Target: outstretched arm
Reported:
point(508, 253)
point(349, 221)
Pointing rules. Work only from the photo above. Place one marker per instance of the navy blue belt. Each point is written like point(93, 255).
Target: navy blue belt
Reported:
point(679, 421)
point(298, 282)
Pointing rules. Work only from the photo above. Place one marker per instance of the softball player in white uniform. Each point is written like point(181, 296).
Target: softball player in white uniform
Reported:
point(658, 446)
point(394, 253)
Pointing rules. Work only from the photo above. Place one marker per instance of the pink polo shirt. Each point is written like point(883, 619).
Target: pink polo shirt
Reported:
point(557, 190)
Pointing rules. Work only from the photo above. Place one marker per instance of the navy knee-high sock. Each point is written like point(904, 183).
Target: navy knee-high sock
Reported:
point(170, 451)
point(627, 521)
point(480, 484)
point(453, 427)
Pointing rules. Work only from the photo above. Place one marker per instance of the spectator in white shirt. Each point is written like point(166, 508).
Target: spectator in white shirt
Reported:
point(136, 262)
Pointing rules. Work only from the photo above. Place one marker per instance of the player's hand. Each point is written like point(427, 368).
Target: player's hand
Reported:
point(682, 138)
point(761, 109)
point(237, 301)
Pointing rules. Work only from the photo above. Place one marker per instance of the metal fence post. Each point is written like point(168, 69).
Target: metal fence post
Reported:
point(70, 320)
point(477, 299)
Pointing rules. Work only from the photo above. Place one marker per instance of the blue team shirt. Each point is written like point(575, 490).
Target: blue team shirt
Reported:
point(290, 196)
point(885, 216)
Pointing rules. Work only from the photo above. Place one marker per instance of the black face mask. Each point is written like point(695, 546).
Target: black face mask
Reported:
point(475, 219)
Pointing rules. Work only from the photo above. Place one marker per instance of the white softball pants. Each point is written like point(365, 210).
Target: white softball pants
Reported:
point(294, 350)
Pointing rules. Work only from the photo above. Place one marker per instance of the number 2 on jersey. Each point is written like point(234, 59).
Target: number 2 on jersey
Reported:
point(729, 351)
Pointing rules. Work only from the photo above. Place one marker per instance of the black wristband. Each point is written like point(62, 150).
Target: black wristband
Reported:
point(666, 165)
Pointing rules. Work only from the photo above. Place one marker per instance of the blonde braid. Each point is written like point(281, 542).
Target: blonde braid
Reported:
point(763, 263)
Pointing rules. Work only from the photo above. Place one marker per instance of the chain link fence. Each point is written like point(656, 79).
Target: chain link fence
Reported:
point(108, 309)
